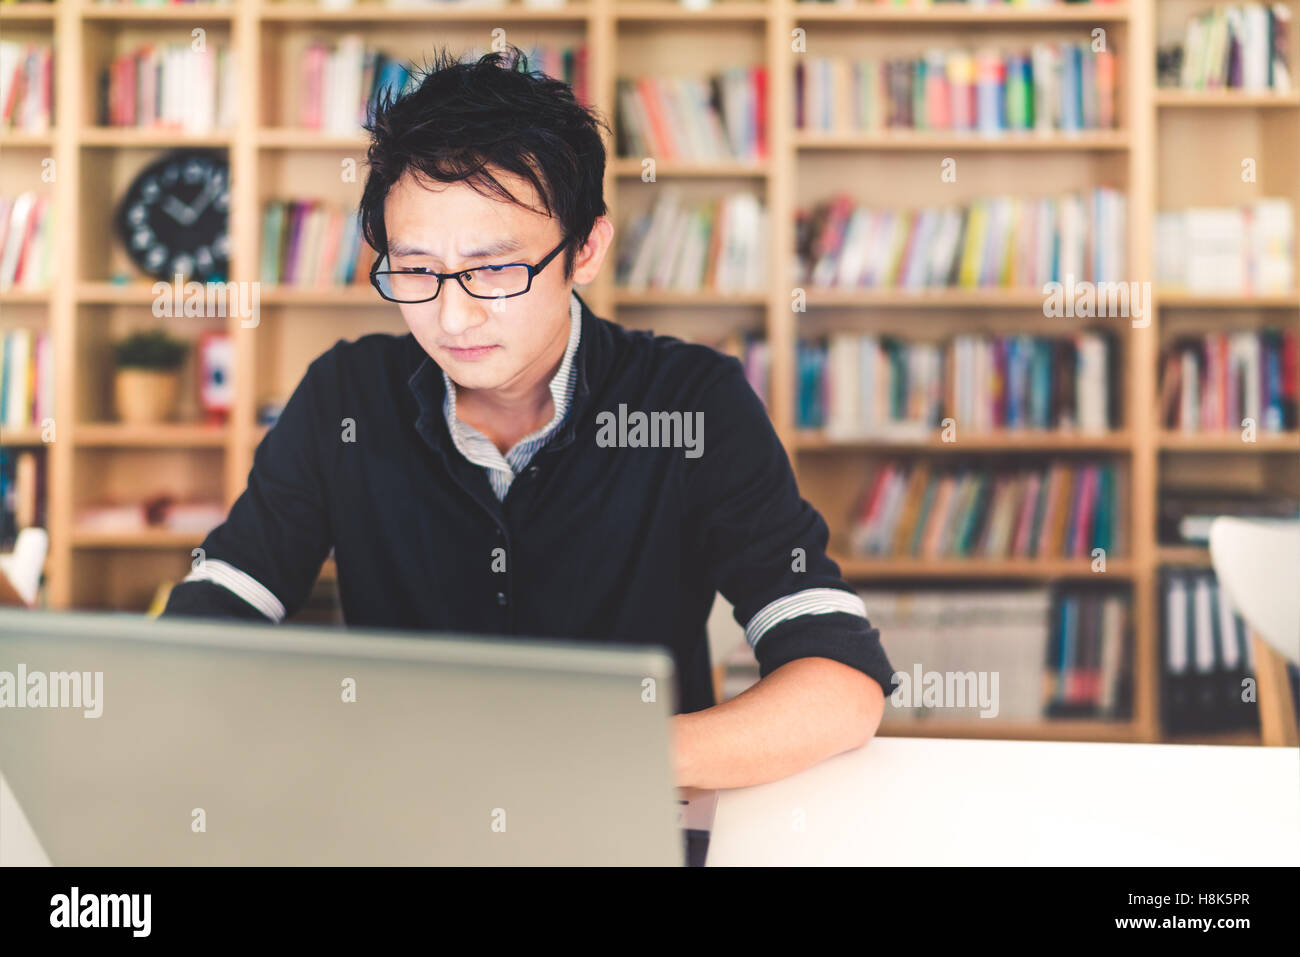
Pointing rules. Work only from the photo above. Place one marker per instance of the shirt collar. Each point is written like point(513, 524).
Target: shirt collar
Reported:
point(583, 356)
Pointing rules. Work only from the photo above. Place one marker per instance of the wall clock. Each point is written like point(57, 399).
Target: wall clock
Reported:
point(175, 217)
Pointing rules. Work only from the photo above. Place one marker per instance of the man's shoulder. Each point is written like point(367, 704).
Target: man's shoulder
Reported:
point(367, 354)
point(667, 362)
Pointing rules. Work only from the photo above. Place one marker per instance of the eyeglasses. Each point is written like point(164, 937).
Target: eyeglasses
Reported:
point(481, 282)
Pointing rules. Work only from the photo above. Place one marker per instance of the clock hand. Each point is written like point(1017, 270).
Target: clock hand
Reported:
point(177, 210)
point(204, 200)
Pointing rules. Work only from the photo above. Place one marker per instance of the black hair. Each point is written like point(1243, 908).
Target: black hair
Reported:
point(465, 116)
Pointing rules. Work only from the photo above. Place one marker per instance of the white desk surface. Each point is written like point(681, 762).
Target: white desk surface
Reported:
point(919, 801)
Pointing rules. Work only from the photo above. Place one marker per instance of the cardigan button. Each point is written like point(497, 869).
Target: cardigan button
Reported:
point(501, 599)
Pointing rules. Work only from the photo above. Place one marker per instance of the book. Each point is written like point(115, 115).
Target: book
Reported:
point(994, 242)
point(964, 511)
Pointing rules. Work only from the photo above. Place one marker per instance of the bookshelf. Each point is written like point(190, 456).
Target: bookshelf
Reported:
point(1168, 147)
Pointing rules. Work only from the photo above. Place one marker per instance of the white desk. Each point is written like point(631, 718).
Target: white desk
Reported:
point(918, 801)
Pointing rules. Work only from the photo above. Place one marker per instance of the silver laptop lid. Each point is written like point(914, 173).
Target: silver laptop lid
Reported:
point(189, 742)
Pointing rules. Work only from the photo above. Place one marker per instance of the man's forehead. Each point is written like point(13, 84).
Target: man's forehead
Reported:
point(471, 247)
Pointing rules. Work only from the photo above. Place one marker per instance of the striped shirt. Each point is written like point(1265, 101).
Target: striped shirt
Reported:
point(479, 449)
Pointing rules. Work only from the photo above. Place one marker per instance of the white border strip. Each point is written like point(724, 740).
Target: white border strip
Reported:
point(245, 586)
point(810, 601)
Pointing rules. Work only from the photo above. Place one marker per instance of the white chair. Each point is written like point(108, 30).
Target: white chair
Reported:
point(1258, 565)
point(20, 570)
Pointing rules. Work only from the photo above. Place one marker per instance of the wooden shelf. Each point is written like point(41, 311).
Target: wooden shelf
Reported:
point(105, 293)
point(865, 13)
point(629, 167)
point(350, 296)
point(926, 298)
point(1221, 738)
point(165, 435)
point(1029, 441)
point(29, 12)
point(861, 570)
point(909, 140)
point(1224, 99)
point(663, 297)
point(374, 13)
point(670, 13)
point(1044, 730)
point(1182, 555)
point(24, 297)
point(1229, 442)
point(23, 435)
point(128, 137)
point(290, 138)
point(145, 538)
point(186, 13)
point(24, 140)
point(1193, 300)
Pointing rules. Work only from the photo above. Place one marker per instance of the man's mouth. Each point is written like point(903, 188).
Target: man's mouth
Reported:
point(470, 353)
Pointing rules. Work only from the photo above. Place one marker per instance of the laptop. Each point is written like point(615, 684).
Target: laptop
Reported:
point(134, 741)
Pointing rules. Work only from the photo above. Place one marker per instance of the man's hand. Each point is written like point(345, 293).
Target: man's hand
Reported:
point(803, 712)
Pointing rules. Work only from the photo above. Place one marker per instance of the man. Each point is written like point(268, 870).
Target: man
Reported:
point(493, 471)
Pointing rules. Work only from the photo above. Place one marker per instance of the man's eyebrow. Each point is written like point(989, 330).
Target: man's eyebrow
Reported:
point(495, 248)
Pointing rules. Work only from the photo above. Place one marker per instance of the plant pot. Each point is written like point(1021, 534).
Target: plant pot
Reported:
point(145, 396)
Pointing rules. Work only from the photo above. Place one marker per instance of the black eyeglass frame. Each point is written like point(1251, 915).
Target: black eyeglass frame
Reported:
point(533, 270)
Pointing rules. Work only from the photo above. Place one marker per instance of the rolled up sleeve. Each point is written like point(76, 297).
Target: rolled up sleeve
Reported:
point(261, 563)
point(766, 545)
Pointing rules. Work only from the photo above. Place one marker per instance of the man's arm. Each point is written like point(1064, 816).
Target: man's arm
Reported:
point(803, 712)
point(824, 674)
point(260, 564)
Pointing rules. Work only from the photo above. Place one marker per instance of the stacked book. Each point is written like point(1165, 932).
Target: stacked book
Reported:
point(1216, 381)
point(685, 245)
point(1186, 514)
point(1062, 510)
point(26, 86)
point(26, 378)
point(695, 118)
point(1046, 87)
point(313, 244)
point(753, 352)
point(1240, 46)
point(26, 242)
point(341, 82)
point(1207, 656)
point(1022, 654)
point(860, 385)
point(1247, 250)
point(1089, 656)
point(170, 86)
point(1005, 242)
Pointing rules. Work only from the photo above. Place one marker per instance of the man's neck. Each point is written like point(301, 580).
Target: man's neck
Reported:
point(507, 414)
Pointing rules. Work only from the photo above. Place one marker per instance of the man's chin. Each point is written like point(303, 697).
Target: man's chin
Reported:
point(474, 375)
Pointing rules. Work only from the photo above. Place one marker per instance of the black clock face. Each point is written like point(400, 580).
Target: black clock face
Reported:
point(175, 217)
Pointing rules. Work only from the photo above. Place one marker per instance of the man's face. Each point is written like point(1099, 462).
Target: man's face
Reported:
point(506, 344)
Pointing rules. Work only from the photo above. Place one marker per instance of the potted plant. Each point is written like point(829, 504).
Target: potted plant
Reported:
point(147, 382)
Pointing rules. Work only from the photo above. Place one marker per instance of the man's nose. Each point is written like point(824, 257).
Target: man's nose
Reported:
point(460, 311)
